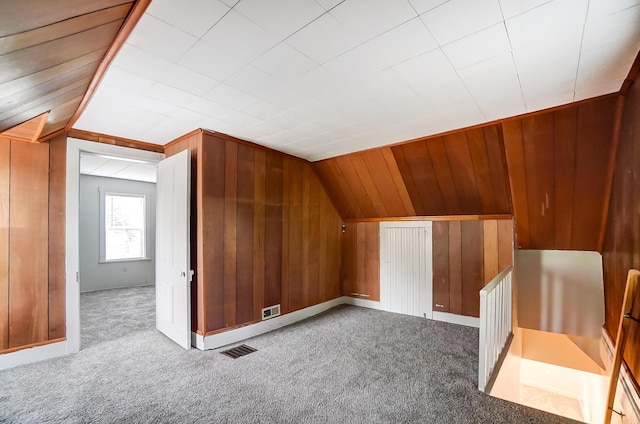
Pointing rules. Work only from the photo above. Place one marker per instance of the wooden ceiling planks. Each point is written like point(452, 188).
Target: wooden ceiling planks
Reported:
point(22, 16)
point(28, 131)
point(558, 165)
point(50, 52)
point(461, 173)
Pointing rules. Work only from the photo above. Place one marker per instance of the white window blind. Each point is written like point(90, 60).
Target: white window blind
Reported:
point(124, 226)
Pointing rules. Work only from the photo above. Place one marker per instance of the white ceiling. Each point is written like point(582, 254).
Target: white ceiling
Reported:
point(113, 167)
point(320, 78)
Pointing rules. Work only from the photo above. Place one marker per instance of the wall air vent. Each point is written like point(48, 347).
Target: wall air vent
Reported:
point(270, 312)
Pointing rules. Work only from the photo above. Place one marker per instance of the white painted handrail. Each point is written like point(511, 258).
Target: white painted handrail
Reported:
point(495, 324)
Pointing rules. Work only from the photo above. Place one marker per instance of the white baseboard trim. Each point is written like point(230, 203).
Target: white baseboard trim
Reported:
point(456, 319)
point(363, 303)
point(225, 338)
point(32, 354)
point(197, 340)
point(628, 397)
point(215, 341)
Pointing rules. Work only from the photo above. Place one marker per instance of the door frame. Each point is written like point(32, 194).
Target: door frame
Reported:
point(72, 223)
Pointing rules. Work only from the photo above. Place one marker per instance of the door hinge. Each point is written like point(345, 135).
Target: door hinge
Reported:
point(191, 274)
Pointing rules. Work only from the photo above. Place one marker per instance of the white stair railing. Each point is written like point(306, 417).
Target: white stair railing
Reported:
point(495, 324)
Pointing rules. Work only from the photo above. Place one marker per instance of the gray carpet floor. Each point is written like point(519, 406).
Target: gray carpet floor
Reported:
point(348, 365)
point(107, 315)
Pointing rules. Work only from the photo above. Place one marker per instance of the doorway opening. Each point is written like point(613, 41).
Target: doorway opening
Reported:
point(117, 247)
point(109, 285)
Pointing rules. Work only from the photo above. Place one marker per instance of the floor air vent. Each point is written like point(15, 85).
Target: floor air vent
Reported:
point(238, 351)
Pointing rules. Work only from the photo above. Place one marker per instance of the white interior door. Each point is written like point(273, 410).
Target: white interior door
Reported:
point(173, 276)
point(406, 276)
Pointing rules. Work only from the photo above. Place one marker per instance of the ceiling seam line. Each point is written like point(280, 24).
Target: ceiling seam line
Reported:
point(584, 25)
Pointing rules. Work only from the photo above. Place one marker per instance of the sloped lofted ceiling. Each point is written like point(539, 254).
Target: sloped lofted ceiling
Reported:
point(323, 78)
point(49, 53)
point(320, 78)
point(552, 171)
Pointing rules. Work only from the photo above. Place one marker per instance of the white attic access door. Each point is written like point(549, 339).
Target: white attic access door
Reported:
point(406, 271)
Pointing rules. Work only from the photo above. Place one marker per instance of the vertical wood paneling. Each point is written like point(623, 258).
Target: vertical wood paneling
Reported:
point(457, 147)
point(333, 179)
point(244, 234)
point(399, 157)
point(564, 171)
point(455, 267)
point(460, 173)
point(350, 260)
point(514, 152)
point(426, 184)
point(361, 260)
point(259, 220)
point(306, 258)
point(268, 233)
point(361, 246)
point(558, 168)
point(482, 169)
point(356, 186)
point(57, 207)
point(273, 231)
point(5, 166)
point(28, 269)
point(230, 232)
point(472, 267)
point(383, 181)
point(396, 176)
point(295, 235)
point(505, 243)
point(210, 237)
point(594, 146)
point(441, 266)
point(498, 164)
point(286, 222)
point(538, 151)
point(314, 206)
point(466, 256)
point(621, 250)
point(369, 185)
point(372, 260)
point(442, 168)
point(324, 226)
point(331, 242)
point(491, 250)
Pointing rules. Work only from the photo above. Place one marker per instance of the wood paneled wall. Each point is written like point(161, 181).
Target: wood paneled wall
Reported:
point(550, 170)
point(622, 242)
point(361, 260)
point(559, 170)
point(466, 256)
point(266, 233)
point(32, 213)
point(462, 173)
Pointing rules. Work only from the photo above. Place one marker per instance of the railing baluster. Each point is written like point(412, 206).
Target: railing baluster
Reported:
point(495, 324)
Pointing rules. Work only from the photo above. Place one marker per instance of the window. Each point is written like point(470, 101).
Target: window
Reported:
point(124, 227)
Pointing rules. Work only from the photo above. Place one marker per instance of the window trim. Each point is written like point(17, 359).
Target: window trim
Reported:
point(102, 228)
